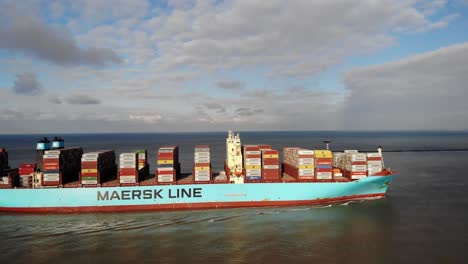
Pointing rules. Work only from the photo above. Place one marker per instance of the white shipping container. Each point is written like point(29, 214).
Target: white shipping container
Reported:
point(305, 152)
point(53, 152)
point(252, 152)
point(89, 182)
point(324, 175)
point(374, 155)
point(374, 163)
point(374, 166)
point(90, 155)
point(50, 156)
point(199, 154)
point(128, 166)
point(201, 160)
point(356, 168)
point(305, 161)
point(202, 178)
point(350, 151)
point(89, 159)
point(306, 174)
point(202, 174)
point(356, 157)
point(127, 179)
point(5, 180)
point(271, 166)
point(308, 171)
point(253, 172)
point(357, 177)
point(166, 150)
point(165, 178)
point(128, 154)
point(253, 161)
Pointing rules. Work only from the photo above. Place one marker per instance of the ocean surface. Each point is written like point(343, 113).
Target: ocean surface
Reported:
point(424, 218)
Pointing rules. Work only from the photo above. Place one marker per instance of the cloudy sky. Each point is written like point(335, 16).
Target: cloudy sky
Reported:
point(183, 65)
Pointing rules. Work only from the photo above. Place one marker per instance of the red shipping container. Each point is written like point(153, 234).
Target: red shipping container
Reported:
point(359, 163)
point(304, 156)
point(262, 147)
point(205, 164)
point(270, 152)
point(50, 183)
point(251, 148)
point(271, 174)
point(28, 165)
point(26, 171)
point(128, 171)
point(270, 161)
point(165, 155)
point(323, 161)
point(374, 158)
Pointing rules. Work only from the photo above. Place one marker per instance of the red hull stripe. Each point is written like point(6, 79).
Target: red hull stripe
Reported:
point(183, 206)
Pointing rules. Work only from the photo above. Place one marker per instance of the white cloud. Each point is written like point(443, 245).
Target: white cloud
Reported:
point(426, 91)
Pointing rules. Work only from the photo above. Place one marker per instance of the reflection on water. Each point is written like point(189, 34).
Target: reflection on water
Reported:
point(238, 236)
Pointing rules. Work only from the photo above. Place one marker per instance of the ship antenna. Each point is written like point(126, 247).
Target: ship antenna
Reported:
point(327, 144)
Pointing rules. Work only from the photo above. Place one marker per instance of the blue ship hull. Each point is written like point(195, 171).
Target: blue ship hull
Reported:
point(190, 196)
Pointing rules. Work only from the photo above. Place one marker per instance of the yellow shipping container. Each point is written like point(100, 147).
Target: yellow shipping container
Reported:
point(306, 167)
point(253, 167)
point(165, 161)
point(89, 171)
point(323, 154)
point(202, 168)
point(270, 156)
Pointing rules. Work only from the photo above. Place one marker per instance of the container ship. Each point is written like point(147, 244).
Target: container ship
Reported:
point(67, 179)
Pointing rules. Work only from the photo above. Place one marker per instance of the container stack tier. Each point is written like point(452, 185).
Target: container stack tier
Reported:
point(168, 164)
point(374, 163)
point(270, 165)
point(3, 161)
point(97, 167)
point(9, 178)
point(252, 162)
point(354, 165)
point(61, 166)
point(299, 163)
point(323, 164)
point(264, 147)
point(202, 164)
point(143, 166)
point(128, 168)
point(26, 171)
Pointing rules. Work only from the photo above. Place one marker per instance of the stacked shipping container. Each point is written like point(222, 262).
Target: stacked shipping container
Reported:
point(97, 167)
point(352, 164)
point(25, 174)
point(299, 163)
point(168, 164)
point(323, 164)
point(61, 166)
point(143, 166)
point(128, 168)
point(3, 161)
point(374, 163)
point(252, 162)
point(270, 164)
point(202, 164)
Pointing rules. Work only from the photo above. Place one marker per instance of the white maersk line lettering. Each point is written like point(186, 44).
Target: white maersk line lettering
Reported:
point(149, 194)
